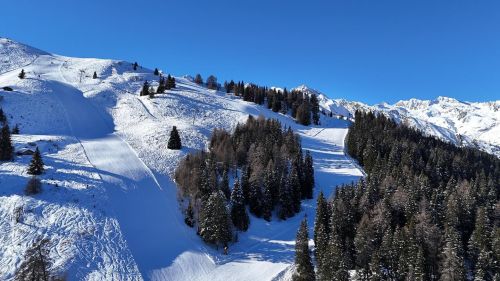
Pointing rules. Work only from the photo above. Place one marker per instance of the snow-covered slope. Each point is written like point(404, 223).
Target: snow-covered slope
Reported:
point(109, 206)
point(472, 124)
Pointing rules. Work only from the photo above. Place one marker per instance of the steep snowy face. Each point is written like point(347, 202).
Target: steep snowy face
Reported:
point(461, 123)
point(14, 55)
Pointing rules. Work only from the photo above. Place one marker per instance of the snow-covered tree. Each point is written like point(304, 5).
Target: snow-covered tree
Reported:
point(304, 270)
point(239, 214)
point(215, 223)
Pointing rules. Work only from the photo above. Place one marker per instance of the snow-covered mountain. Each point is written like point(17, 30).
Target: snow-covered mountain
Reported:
point(109, 205)
point(471, 124)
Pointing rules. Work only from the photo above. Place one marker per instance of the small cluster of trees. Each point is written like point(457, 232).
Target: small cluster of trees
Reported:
point(211, 82)
point(301, 106)
point(165, 83)
point(427, 210)
point(275, 177)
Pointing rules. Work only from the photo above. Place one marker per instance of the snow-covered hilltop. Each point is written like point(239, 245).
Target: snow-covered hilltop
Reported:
point(109, 206)
point(471, 124)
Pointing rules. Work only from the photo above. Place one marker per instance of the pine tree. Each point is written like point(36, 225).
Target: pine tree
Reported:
point(215, 224)
point(156, 72)
point(145, 89)
point(161, 85)
point(245, 183)
point(6, 148)
point(267, 198)
point(198, 80)
point(135, 66)
point(239, 214)
point(170, 83)
point(322, 251)
point(22, 75)
point(212, 82)
point(479, 240)
point(189, 219)
point(95, 75)
point(3, 118)
point(452, 263)
point(304, 270)
point(36, 165)
point(36, 263)
point(224, 184)
point(15, 130)
point(175, 140)
point(322, 216)
point(285, 197)
point(295, 187)
point(308, 181)
point(315, 109)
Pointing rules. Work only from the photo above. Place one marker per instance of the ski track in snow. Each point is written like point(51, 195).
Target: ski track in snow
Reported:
point(115, 214)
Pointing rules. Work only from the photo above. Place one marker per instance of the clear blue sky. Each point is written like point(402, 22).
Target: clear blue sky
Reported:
point(370, 51)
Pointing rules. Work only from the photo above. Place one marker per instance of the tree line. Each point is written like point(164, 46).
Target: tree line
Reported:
point(270, 173)
point(427, 210)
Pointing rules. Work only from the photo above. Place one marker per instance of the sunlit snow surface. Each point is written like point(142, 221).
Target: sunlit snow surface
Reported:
point(108, 204)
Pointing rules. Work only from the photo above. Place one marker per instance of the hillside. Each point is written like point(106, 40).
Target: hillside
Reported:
point(109, 205)
point(469, 124)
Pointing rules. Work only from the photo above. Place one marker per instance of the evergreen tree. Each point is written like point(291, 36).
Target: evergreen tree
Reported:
point(267, 198)
point(245, 183)
point(22, 75)
point(215, 224)
point(36, 165)
point(303, 114)
point(6, 148)
point(15, 130)
point(224, 184)
point(36, 264)
point(95, 75)
point(212, 82)
point(170, 83)
point(285, 197)
point(3, 118)
point(315, 109)
point(145, 89)
point(304, 270)
point(295, 187)
point(161, 85)
point(322, 217)
point(189, 219)
point(308, 181)
point(452, 263)
point(175, 140)
point(239, 214)
point(135, 66)
point(198, 80)
point(156, 72)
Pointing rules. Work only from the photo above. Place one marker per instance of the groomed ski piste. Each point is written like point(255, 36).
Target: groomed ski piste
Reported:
point(109, 205)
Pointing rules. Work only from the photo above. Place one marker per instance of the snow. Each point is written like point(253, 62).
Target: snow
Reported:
point(109, 204)
point(470, 124)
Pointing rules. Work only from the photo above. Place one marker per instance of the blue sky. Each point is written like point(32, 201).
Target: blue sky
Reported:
point(371, 51)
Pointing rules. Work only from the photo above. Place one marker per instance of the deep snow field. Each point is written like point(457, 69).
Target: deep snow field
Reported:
point(109, 205)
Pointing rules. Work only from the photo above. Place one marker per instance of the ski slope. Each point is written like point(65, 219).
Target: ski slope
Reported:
point(109, 204)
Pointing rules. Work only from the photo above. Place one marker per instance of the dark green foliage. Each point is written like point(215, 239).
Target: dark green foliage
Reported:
point(424, 211)
point(175, 140)
point(212, 83)
point(22, 75)
point(6, 148)
point(264, 153)
point(239, 214)
point(145, 89)
point(189, 216)
point(34, 186)
point(198, 79)
point(95, 75)
point(304, 270)
point(314, 109)
point(156, 72)
point(135, 66)
point(170, 82)
point(36, 165)
point(308, 179)
point(3, 118)
point(215, 224)
point(36, 264)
